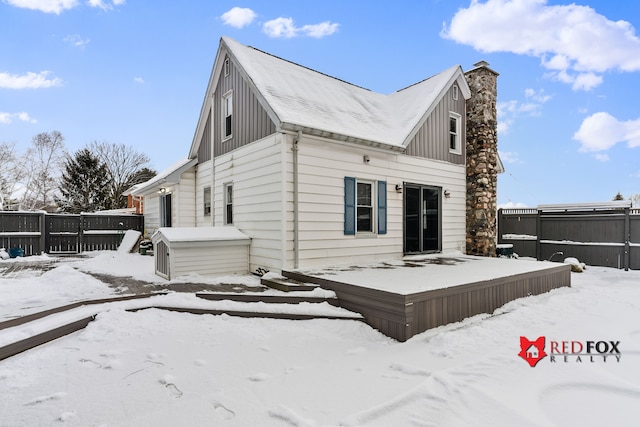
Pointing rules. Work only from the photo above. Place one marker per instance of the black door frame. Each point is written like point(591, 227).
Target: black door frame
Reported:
point(420, 238)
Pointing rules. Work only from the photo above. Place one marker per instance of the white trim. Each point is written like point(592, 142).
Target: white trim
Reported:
point(372, 186)
point(458, 118)
point(454, 92)
point(227, 202)
point(225, 98)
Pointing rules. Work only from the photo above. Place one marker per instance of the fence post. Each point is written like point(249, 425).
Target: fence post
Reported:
point(538, 229)
point(627, 238)
point(42, 224)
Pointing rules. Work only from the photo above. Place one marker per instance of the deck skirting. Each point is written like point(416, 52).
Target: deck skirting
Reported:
point(401, 316)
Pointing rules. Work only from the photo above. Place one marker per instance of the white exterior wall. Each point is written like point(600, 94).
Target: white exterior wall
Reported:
point(322, 167)
point(229, 259)
point(151, 213)
point(183, 202)
point(256, 173)
point(204, 178)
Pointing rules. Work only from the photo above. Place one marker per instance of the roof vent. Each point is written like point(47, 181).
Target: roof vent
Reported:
point(481, 64)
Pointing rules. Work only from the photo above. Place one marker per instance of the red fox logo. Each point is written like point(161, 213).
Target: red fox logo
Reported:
point(532, 351)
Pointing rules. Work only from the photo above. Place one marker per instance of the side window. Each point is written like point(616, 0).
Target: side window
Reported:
point(365, 205)
point(228, 203)
point(227, 115)
point(207, 201)
point(165, 210)
point(455, 144)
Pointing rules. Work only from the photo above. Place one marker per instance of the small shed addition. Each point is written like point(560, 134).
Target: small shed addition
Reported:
point(179, 251)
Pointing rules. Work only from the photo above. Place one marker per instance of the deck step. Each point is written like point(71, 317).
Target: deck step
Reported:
point(268, 299)
point(287, 285)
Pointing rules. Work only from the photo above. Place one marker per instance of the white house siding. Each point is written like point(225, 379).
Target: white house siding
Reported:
point(151, 213)
point(188, 259)
point(255, 171)
point(183, 204)
point(323, 166)
point(204, 178)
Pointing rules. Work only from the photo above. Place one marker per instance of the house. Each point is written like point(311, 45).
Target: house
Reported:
point(532, 352)
point(317, 171)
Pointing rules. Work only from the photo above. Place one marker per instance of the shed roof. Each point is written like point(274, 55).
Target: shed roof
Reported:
point(200, 234)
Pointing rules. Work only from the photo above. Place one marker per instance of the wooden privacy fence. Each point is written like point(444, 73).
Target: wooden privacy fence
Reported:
point(39, 232)
point(606, 235)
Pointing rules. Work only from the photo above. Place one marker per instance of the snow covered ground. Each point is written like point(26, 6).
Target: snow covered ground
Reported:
point(159, 368)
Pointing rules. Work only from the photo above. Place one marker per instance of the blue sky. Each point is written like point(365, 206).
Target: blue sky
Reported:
point(135, 72)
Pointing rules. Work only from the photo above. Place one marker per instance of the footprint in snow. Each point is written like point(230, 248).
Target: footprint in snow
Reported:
point(222, 411)
point(167, 382)
point(41, 399)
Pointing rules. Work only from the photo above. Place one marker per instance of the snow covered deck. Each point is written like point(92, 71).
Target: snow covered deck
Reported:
point(405, 297)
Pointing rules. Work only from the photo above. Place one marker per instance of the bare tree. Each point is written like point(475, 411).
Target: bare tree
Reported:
point(635, 200)
point(44, 158)
point(9, 174)
point(124, 165)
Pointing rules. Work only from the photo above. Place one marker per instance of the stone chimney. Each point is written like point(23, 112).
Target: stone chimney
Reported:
point(482, 160)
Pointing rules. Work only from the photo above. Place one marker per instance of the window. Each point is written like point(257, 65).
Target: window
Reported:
point(455, 145)
point(207, 201)
point(364, 213)
point(226, 67)
point(227, 112)
point(228, 203)
point(364, 203)
point(454, 92)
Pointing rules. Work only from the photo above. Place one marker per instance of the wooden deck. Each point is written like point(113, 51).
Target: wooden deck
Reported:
point(404, 313)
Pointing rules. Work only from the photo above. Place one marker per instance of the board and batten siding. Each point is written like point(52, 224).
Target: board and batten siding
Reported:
point(256, 173)
point(250, 122)
point(322, 167)
point(432, 139)
point(204, 178)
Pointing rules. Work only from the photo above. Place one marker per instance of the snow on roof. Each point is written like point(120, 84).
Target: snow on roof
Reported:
point(170, 175)
point(200, 234)
point(304, 98)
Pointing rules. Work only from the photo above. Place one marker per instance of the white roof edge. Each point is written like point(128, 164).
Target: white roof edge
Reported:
point(615, 204)
point(200, 234)
point(169, 175)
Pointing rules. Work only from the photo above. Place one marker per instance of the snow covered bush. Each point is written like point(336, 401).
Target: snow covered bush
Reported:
point(576, 265)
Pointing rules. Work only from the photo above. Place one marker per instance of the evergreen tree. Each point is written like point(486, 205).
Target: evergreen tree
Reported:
point(84, 183)
point(618, 196)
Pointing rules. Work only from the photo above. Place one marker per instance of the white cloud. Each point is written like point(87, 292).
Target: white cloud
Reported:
point(105, 5)
point(238, 17)
point(286, 28)
point(76, 41)
point(602, 157)
point(512, 205)
point(574, 43)
point(138, 80)
point(601, 131)
point(280, 28)
point(46, 6)
point(509, 157)
point(508, 111)
point(28, 81)
point(7, 118)
point(58, 6)
point(320, 30)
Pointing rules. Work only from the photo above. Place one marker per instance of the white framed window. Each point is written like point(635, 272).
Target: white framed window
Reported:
point(364, 207)
point(227, 115)
point(454, 92)
point(226, 67)
point(207, 201)
point(455, 133)
point(228, 203)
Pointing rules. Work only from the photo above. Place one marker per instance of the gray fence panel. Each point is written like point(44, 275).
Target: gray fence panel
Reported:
point(21, 230)
point(37, 232)
point(595, 237)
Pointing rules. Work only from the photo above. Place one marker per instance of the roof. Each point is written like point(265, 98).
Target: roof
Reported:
point(200, 234)
point(299, 98)
point(167, 177)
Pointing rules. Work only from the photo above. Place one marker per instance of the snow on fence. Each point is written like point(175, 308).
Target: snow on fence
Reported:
point(604, 234)
point(40, 232)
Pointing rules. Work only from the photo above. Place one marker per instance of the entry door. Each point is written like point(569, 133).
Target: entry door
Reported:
point(421, 219)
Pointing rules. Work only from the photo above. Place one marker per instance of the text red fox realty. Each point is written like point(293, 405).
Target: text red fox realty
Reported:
point(567, 351)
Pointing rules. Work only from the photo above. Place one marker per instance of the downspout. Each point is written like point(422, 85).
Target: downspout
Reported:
point(294, 148)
